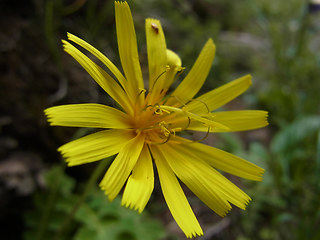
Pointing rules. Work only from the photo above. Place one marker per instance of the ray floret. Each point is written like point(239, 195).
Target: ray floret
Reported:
point(146, 129)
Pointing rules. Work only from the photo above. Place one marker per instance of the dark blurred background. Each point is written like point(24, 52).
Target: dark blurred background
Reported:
point(278, 42)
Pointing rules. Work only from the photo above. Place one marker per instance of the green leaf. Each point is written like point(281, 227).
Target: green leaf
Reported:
point(102, 219)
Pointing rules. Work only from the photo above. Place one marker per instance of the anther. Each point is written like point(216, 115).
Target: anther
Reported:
point(159, 111)
point(164, 128)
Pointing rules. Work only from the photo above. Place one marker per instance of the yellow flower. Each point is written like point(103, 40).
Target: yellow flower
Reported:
point(146, 127)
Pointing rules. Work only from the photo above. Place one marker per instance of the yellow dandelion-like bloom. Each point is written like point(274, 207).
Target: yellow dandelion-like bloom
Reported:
point(145, 128)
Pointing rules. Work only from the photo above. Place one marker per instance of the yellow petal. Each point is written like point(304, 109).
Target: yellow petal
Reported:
point(234, 121)
point(121, 167)
point(100, 76)
point(174, 64)
point(206, 182)
point(87, 115)
point(128, 49)
point(182, 113)
point(140, 184)
point(157, 56)
point(192, 83)
point(189, 173)
point(220, 96)
point(101, 57)
point(95, 146)
point(173, 60)
point(222, 160)
point(175, 197)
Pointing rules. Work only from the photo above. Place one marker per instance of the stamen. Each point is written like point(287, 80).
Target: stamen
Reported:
point(173, 130)
point(153, 138)
point(203, 138)
point(159, 110)
point(141, 92)
point(193, 116)
point(179, 72)
point(177, 98)
point(164, 128)
point(159, 143)
point(208, 110)
point(154, 83)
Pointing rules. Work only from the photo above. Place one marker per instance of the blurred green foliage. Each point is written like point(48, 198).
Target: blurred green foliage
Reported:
point(285, 205)
point(96, 219)
point(278, 43)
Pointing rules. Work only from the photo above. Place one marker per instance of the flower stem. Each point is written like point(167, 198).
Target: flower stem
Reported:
point(95, 175)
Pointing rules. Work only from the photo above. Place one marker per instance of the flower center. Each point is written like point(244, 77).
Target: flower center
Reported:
point(155, 123)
